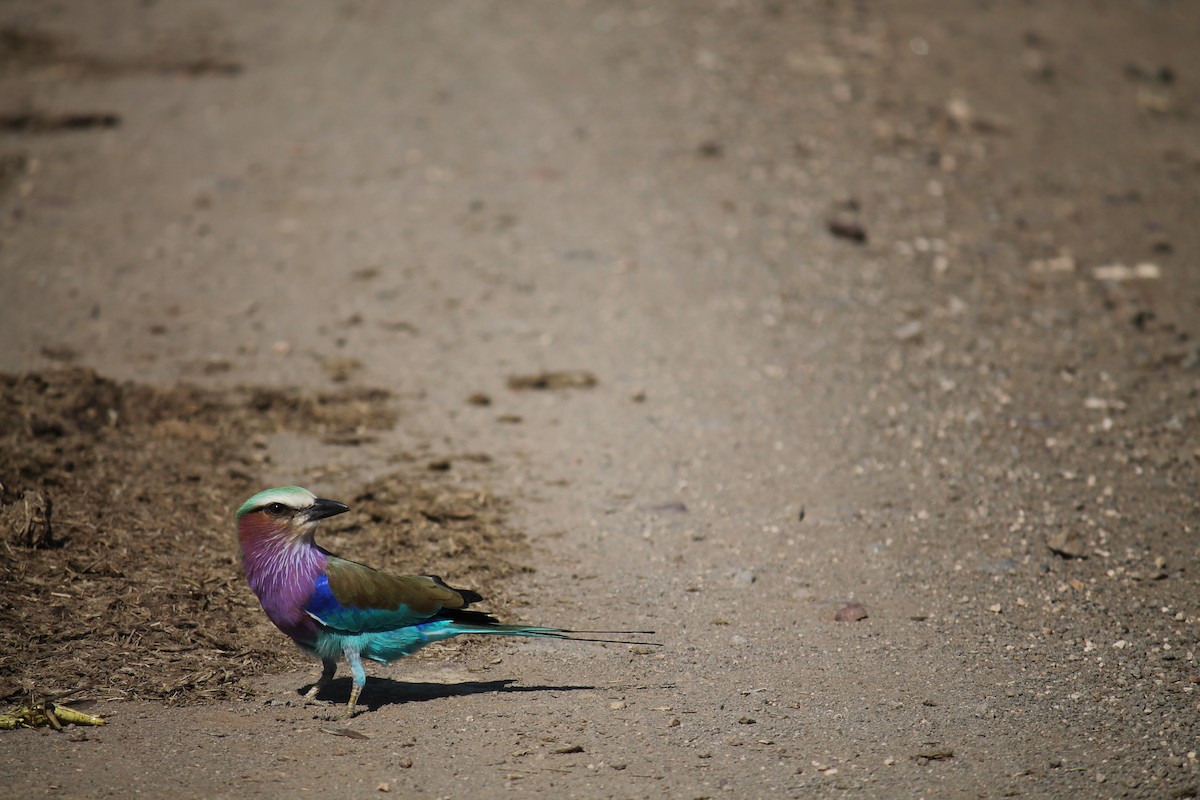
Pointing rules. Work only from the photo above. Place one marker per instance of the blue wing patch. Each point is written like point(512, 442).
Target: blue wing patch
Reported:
point(325, 609)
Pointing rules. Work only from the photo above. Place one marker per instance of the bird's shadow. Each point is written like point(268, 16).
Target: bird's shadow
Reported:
point(379, 691)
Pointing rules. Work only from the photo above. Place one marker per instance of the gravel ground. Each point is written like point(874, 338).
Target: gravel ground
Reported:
point(893, 305)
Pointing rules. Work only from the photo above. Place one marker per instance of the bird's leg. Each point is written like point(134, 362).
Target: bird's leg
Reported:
point(328, 667)
point(359, 676)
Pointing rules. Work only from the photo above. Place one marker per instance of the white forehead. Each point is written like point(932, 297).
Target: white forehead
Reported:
point(290, 496)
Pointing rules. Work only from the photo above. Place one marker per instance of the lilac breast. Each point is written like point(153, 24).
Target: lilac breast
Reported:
point(284, 575)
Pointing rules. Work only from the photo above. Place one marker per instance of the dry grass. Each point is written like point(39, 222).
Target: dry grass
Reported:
point(138, 592)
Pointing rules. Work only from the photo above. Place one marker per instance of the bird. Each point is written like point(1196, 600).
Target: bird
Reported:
point(336, 609)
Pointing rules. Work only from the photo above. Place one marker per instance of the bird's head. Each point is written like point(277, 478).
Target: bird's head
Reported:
point(290, 512)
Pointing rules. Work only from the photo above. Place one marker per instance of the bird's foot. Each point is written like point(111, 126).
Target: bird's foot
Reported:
point(352, 706)
point(310, 697)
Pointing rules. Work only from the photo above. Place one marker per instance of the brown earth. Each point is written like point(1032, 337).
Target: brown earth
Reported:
point(128, 588)
point(713, 318)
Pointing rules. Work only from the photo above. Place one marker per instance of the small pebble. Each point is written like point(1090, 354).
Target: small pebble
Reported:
point(743, 578)
point(1118, 273)
point(852, 612)
point(909, 331)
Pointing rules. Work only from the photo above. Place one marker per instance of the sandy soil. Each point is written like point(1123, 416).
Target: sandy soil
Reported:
point(888, 304)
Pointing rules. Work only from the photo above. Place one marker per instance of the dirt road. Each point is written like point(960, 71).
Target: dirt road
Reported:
point(896, 307)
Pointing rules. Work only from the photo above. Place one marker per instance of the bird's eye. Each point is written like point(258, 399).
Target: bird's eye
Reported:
point(276, 509)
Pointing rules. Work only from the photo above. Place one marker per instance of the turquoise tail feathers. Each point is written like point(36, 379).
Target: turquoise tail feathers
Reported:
point(387, 646)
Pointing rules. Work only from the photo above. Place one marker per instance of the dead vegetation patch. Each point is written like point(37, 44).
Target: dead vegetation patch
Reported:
point(118, 554)
point(44, 54)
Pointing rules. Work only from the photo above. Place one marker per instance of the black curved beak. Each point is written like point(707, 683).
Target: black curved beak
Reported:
point(326, 508)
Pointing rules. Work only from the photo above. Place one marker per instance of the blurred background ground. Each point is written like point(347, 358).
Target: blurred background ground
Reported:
point(847, 303)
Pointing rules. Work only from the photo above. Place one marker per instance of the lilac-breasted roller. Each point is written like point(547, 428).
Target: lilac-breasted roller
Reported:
point(334, 608)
